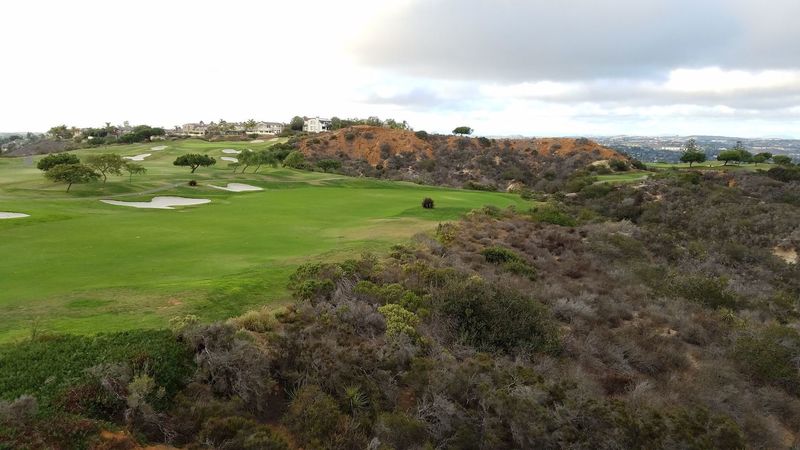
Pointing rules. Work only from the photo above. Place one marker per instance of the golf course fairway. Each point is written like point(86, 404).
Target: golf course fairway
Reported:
point(79, 265)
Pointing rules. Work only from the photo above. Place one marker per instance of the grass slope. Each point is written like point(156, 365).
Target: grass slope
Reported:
point(79, 265)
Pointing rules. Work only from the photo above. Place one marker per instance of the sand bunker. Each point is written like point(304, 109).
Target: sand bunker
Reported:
point(137, 157)
point(158, 148)
point(10, 215)
point(161, 202)
point(256, 141)
point(231, 151)
point(237, 187)
point(229, 159)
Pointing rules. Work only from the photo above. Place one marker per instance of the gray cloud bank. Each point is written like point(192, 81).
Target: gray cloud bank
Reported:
point(515, 40)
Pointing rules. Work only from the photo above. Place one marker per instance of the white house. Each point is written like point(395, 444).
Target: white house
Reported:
point(268, 128)
point(194, 129)
point(316, 125)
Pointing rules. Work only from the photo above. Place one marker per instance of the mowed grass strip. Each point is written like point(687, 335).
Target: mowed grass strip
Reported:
point(81, 266)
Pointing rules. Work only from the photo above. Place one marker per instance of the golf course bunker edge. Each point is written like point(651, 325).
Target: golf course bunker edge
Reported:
point(160, 202)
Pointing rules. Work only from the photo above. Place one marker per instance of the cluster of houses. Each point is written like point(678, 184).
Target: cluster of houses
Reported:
point(199, 129)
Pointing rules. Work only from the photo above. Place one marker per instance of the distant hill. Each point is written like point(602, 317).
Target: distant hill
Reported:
point(480, 163)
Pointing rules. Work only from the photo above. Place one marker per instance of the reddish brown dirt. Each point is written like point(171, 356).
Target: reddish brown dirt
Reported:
point(365, 142)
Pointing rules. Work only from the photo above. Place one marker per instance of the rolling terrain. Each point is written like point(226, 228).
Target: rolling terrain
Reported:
point(81, 266)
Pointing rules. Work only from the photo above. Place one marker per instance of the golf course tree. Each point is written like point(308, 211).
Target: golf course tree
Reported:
point(729, 156)
point(249, 125)
point(463, 131)
point(692, 153)
point(263, 157)
point(141, 133)
point(782, 160)
point(247, 158)
point(134, 169)
point(296, 124)
point(72, 174)
point(761, 157)
point(56, 159)
point(744, 155)
point(61, 132)
point(194, 160)
point(295, 160)
point(329, 164)
point(281, 151)
point(106, 163)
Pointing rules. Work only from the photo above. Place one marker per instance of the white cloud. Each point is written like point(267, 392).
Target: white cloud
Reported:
point(501, 66)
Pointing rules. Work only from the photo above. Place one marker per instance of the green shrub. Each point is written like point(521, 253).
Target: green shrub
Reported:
point(314, 280)
point(446, 232)
point(552, 215)
point(257, 321)
point(472, 185)
point(313, 417)
point(240, 433)
point(401, 431)
point(596, 190)
point(399, 321)
point(520, 268)
point(509, 260)
point(618, 165)
point(710, 292)
point(496, 318)
point(579, 182)
point(785, 174)
point(48, 366)
point(389, 294)
point(498, 255)
point(770, 356)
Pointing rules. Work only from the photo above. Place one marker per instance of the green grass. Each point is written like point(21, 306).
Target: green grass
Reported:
point(81, 266)
point(623, 177)
point(715, 165)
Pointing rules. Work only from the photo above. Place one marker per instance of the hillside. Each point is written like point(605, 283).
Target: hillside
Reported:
point(454, 161)
point(611, 319)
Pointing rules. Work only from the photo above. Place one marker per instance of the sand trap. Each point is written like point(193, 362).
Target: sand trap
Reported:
point(10, 215)
point(256, 141)
point(231, 151)
point(137, 157)
point(158, 148)
point(161, 202)
point(237, 187)
point(229, 159)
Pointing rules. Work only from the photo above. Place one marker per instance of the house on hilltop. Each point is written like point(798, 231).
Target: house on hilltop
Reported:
point(194, 129)
point(316, 125)
point(268, 128)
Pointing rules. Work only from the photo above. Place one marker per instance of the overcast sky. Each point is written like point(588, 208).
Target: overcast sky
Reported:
point(528, 67)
